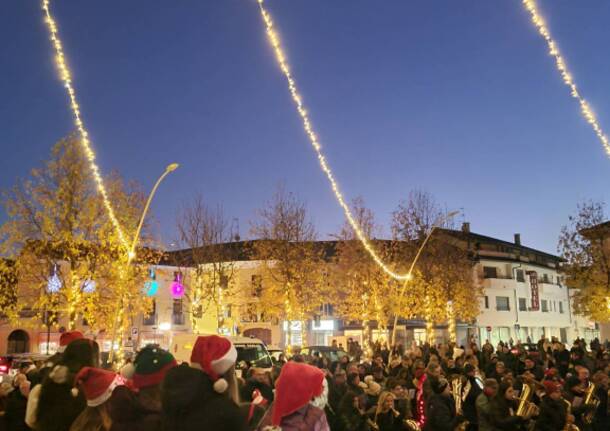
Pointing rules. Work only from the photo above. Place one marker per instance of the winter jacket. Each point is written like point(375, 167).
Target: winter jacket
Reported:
point(469, 408)
point(387, 421)
point(483, 418)
point(15, 412)
point(441, 414)
point(307, 418)
point(553, 415)
point(500, 415)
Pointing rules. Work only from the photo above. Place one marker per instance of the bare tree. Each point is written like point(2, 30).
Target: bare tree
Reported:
point(205, 231)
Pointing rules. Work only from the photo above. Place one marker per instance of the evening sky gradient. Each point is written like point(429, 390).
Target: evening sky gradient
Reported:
point(458, 98)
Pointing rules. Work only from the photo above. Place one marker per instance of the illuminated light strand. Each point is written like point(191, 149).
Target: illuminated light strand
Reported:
point(568, 79)
point(66, 77)
point(313, 139)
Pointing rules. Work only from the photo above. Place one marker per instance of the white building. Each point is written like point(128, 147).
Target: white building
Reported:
point(525, 296)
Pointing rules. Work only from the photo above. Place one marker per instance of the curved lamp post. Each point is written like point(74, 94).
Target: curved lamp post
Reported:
point(131, 253)
point(409, 274)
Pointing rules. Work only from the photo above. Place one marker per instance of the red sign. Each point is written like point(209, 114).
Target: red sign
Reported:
point(535, 292)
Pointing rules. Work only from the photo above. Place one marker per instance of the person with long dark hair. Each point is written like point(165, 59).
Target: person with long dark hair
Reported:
point(55, 408)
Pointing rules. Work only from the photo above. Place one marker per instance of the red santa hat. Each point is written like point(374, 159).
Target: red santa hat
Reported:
point(214, 355)
point(67, 337)
point(97, 384)
point(297, 384)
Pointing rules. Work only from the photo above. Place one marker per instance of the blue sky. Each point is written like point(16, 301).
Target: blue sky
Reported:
point(456, 98)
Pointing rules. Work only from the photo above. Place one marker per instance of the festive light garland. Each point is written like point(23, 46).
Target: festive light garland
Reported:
point(313, 139)
point(567, 77)
point(66, 77)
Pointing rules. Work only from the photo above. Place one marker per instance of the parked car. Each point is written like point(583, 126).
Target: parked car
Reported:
point(10, 364)
point(332, 353)
point(275, 353)
point(251, 352)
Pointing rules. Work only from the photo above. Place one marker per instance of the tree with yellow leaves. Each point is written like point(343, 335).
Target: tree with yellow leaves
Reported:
point(361, 290)
point(585, 245)
point(68, 258)
point(443, 284)
point(292, 272)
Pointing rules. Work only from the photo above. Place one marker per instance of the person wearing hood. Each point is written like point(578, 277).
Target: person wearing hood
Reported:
point(292, 410)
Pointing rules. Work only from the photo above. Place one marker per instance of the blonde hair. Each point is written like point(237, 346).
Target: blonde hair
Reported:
point(381, 401)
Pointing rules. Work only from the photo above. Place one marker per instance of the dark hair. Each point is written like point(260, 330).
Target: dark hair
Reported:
point(190, 403)
point(57, 407)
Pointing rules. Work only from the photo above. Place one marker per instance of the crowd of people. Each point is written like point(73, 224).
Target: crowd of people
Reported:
point(429, 388)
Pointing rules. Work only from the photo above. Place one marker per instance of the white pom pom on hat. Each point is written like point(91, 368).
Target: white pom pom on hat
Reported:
point(214, 355)
point(221, 385)
point(128, 371)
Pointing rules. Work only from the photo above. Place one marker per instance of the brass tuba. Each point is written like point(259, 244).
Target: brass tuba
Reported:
point(526, 407)
point(411, 425)
point(459, 396)
point(569, 426)
point(590, 400)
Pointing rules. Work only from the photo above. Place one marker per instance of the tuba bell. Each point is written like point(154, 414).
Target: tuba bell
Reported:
point(459, 396)
point(526, 407)
point(569, 426)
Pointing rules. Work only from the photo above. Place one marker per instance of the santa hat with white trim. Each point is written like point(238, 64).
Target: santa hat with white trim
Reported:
point(67, 337)
point(97, 384)
point(214, 355)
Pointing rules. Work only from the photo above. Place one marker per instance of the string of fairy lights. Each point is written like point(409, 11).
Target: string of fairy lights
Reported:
point(567, 77)
point(66, 77)
point(313, 139)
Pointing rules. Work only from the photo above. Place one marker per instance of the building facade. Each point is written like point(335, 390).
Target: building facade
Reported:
point(525, 298)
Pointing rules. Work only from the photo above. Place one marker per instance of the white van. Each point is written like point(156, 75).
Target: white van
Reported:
point(251, 352)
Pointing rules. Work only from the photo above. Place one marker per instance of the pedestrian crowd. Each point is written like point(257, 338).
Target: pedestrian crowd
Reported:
point(546, 386)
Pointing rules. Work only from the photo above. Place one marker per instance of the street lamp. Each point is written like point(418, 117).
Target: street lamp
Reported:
point(436, 224)
point(131, 253)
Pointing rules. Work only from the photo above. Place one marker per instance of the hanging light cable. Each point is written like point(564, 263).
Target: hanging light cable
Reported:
point(313, 139)
point(66, 77)
point(567, 77)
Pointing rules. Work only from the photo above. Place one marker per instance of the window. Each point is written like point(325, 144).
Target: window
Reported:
point(490, 272)
point(487, 302)
point(522, 304)
point(257, 285)
point(545, 306)
point(177, 314)
point(502, 303)
point(560, 307)
point(520, 276)
point(545, 278)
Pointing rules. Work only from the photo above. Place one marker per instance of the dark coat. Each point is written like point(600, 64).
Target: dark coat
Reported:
point(553, 415)
point(15, 412)
point(500, 417)
point(469, 408)
point(441, 414)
